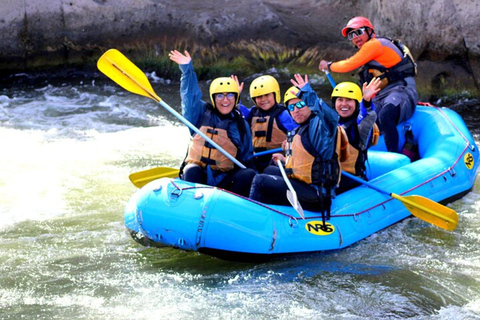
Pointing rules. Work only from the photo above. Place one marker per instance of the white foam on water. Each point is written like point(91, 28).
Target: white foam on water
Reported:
point(38, 172)
point(66, 157)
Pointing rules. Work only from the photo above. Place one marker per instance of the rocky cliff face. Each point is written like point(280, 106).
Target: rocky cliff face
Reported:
point(442, 34)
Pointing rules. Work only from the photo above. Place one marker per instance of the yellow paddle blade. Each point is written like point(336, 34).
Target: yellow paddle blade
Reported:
point(430, 211)
point(126, 74)
point(141, 178)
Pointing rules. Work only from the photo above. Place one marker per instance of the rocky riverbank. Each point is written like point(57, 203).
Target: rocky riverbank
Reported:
point(243, 35)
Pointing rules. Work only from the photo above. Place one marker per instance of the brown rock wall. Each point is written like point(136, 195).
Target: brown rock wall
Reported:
point(442, 34)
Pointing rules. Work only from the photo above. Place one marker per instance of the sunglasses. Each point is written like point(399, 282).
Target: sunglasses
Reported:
point(221, 96)
point(355, 33)
point(299, 105)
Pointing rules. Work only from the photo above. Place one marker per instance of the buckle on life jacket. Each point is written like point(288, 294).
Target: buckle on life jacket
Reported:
point(260, 133)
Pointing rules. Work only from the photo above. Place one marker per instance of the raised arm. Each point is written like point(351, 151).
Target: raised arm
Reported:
point(193, 107)
point(323, 126)
point(367, 116)
point(308, 95)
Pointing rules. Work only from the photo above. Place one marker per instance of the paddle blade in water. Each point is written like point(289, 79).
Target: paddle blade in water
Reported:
point(139, 179)
point(430, 211)
point(126, 74)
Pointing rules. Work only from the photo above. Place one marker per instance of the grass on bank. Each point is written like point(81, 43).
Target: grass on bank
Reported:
point(248, 58)
point(242, 58)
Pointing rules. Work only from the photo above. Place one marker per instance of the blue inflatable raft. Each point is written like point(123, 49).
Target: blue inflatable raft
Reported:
point(172, 212)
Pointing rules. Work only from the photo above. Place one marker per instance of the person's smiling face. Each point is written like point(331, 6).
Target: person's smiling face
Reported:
point(345, 106)
point(266, 101)
point(224, 102)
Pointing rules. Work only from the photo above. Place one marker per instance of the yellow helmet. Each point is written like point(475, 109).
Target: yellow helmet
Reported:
point(348, 90)
point(289, 95)
point(264, 85)
point(223, 84)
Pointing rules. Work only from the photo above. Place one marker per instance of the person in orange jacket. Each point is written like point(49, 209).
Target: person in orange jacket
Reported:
point(392, 62)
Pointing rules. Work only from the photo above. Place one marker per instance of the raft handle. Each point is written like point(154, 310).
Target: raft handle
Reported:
point(290, 222)
point(176, 192)
point(356, 217)
point(452, 172)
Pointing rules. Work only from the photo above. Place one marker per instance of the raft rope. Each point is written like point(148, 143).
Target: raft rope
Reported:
point(449, 169)
point(357, 214)
point(234, 194)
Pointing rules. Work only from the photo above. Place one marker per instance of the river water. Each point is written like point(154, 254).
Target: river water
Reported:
point(67, 150)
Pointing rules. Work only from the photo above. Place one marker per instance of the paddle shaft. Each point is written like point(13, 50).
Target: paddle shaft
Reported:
point(284, 175)
point(368, 184)
point(263, 153)
point(330, 78)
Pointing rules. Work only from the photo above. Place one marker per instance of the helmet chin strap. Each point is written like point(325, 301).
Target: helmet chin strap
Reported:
point(370, 32)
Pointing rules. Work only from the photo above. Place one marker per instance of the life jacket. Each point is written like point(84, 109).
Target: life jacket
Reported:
point(266, 134)
point(357, 156)
point(405, 68)
point(304, 164)
point(202, 153)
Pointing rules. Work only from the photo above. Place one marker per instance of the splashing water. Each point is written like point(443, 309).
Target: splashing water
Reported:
point(67, 151)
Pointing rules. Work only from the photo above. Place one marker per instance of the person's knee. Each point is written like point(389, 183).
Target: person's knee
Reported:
point(193, 173)
point(389, 115)
point(262, 184)
point(249, 175)
point(272, 169)
point(256, 187)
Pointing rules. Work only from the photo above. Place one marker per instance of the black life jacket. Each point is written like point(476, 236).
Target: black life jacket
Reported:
point(405, 68)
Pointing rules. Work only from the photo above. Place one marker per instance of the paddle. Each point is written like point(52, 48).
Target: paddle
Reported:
point(141, 178)
point(126, 74)
point(330, 78)
point(291, 194)
point(421, 207)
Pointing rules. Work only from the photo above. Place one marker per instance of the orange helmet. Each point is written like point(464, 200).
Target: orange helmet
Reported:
point(355, 23)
